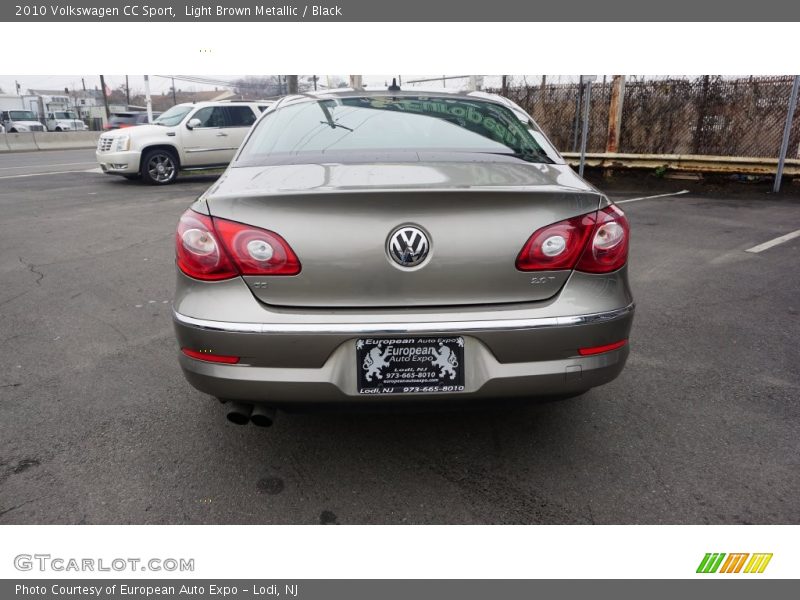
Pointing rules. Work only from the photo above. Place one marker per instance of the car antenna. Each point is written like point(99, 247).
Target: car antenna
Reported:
point(394, 87)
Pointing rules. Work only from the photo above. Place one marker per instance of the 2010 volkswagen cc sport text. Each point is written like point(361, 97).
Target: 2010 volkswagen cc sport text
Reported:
point(375, 246)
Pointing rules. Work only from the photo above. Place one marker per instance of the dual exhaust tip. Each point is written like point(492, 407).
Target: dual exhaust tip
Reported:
point(242, 414)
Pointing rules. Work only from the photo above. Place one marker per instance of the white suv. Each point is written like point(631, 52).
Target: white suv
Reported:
point(189, 136)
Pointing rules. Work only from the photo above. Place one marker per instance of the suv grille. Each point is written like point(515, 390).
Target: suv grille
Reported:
point(104, 144)
point(37, 128)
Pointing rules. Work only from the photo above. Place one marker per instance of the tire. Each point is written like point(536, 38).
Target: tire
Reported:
point(58, 129)
point(159, 167)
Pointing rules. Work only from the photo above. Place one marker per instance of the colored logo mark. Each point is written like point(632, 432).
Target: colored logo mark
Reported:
point(719, 562)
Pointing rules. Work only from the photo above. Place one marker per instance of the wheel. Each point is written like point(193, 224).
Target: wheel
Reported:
point(58, 128)
point(159, 167)
point(13, 131)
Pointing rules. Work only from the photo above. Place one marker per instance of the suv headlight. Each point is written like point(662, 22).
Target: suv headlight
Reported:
point(22, 128)
point(122, 143)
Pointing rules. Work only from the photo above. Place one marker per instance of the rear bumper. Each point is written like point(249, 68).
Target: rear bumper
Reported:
point(286, 361)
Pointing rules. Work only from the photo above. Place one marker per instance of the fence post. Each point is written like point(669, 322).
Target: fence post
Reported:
point(615, 113)
point(787, 130)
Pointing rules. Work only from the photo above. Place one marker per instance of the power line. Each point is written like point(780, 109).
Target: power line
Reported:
point(218, 82)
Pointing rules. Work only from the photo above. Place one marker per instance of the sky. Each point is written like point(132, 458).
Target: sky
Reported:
point(159, 84)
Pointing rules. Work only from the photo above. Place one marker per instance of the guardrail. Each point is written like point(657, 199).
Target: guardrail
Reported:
point(63, 140)
point(687, 162)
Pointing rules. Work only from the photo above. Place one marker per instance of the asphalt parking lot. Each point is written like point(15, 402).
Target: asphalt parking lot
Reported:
point(97, 424)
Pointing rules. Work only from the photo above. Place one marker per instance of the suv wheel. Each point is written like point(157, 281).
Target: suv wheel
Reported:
point(159, 167)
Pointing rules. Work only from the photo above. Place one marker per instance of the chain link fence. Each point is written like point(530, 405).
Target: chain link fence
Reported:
point(706, 115)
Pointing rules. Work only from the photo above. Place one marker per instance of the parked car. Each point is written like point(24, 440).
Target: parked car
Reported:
point(406, 246)
point(129, 119)
point(20, 121)
point(64, 121)
point(188, 136)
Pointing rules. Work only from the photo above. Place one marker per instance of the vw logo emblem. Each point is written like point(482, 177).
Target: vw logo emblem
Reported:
point(408, 246)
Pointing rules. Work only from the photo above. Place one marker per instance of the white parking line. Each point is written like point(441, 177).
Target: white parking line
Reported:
point(97, 170)
point(53, 165)
point(775, 242)
point(681, 193)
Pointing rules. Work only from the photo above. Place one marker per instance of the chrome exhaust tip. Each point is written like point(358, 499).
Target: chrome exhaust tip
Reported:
point(239, 413)
point(262, 416)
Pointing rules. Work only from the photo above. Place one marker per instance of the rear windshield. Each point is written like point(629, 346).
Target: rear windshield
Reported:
point(382, 123)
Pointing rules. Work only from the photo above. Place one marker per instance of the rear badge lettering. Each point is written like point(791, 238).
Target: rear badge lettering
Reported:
point(541, 280)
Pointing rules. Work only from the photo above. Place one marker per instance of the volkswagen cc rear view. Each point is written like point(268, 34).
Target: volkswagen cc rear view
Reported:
point(399, 246)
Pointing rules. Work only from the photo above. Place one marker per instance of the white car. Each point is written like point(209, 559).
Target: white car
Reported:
point(64, 121)
point(188, 136)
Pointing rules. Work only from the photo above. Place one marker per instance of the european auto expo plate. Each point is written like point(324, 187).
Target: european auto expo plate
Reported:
point(417, 365)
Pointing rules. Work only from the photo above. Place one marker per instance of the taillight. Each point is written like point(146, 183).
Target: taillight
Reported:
point(596, 242)
point(557, 246)
point(212, 249)
point(198, 250)
point(257, 251)
point(608, 250)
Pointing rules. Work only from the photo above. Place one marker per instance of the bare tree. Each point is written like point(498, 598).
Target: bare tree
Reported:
point(258, 86)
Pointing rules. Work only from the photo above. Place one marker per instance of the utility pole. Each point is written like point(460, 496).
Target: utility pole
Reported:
point(127, 91)
point(105, 98)
point(356, 82)
point(292, 83)
point(83, 83)
point(314, 77)
point(174, 95)
point(615, 113)
point(504, 86)
point(148, 99)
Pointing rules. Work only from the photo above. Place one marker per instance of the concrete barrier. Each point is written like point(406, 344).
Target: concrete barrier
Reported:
point(47, 140)
point(21, 141)
point(66, 140)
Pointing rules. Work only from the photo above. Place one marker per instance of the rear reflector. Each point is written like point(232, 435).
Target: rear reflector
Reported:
point(208, 357)
point(601, 349)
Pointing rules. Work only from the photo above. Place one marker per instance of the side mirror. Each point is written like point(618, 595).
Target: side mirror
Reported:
point(194, 123)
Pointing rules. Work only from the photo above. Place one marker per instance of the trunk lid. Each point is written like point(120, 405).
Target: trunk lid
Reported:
point(338, 219)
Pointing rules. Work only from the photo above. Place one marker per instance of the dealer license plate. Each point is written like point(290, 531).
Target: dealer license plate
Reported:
point(418, 365)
